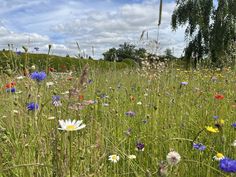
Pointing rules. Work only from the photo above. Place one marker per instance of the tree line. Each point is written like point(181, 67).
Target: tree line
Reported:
point(210, 33)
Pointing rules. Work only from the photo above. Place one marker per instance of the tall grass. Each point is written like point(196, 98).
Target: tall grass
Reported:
point(169, 117)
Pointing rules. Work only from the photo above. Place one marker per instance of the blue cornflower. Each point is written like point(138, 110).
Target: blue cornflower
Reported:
point(140, 146)
point(38, 76)
point(183, 83)
point(216, 117)
point(56, 100)
point(130, 113)
point(199, 146)
point(234, 125)
point(228, 165)
point(12, 90)
point(32, 106)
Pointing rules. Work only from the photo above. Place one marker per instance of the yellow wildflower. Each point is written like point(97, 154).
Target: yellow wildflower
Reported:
point(212, 130)
point(222, 121)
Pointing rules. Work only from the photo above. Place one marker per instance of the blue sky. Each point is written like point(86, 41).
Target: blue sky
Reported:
point(102, 24)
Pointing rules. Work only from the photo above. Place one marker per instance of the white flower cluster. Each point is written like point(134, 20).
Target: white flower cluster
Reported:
point(152, 63)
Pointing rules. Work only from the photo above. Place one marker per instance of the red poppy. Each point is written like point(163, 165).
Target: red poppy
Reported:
point(10, 85)
point(81, 97)
point(219, 97)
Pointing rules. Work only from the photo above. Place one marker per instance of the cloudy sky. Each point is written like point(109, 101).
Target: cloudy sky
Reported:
point(99, 23)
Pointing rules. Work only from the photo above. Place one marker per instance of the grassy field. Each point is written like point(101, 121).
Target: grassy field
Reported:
point(10, 60)
point(123, 110)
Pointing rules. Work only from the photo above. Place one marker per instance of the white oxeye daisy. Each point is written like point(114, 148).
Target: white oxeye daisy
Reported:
point(173, 158)
point(15, 112)
point(114, 158)
point(218, 156)
point(139, 103)
point(49, 84)
point(132, 156)
point(20, 77)
point(69, 125)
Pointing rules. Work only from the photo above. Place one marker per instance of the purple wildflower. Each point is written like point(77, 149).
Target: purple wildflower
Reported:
point(32, 106)
point(56, 100)
point(38, 76)
point(183, 83)
point(234, 124)
point(130, 113)
point(199, 146)
point(228, 165)
point(216, 117)
point(140, 146)
point(12, 90)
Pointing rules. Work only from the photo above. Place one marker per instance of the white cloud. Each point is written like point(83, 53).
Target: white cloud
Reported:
point(9, 37)
point(110, 28)
point(10, 5)
point(103, 26)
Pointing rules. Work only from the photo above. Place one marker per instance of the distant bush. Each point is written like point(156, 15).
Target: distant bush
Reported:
point(124, 51)
point(130, 62)
point(14, 62)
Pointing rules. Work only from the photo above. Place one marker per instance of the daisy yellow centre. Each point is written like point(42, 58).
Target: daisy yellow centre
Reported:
point(219, 155)
point(70, 127)
point(113, 157)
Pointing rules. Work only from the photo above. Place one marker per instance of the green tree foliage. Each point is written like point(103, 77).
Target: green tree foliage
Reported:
point(210, 29)
point(125, 51)
point(223, 30)
point(110, 55)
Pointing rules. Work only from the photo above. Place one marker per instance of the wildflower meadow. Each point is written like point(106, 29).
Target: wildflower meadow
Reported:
point(118, 123)
point(118, 88)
